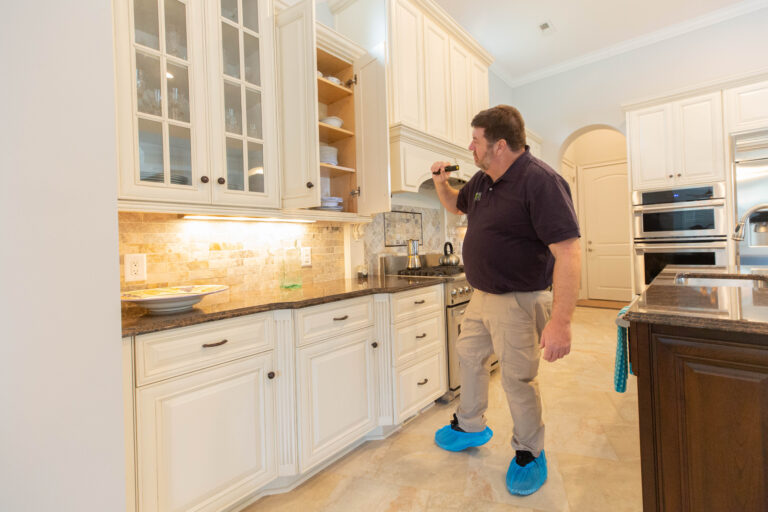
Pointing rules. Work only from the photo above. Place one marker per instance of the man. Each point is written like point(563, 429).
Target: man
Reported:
point(521, 245)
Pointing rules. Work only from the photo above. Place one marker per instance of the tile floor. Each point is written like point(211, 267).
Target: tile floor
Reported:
point(592, 449)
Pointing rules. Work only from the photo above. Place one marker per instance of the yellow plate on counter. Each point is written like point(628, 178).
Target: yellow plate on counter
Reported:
point(173, 299)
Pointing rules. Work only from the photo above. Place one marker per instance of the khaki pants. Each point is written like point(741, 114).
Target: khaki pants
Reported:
point(510, 325)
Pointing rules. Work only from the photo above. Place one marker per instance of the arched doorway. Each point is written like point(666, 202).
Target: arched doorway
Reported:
point(594, 161)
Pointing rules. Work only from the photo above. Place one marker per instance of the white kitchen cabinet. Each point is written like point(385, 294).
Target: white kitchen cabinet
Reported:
point(195, 102)
point(437, 81)
point(677, 143)
point(206, 440)
point(746, 107)
point(304, 48)
point(336, 395)
point(419, 369)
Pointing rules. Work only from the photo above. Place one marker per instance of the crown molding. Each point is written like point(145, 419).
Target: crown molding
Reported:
point(678, 29)
point(336, 6)
point(335, 43)
point(727, 82)
point(438, 14)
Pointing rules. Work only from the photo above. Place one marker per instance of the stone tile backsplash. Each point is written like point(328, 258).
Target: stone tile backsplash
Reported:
point(243, 255)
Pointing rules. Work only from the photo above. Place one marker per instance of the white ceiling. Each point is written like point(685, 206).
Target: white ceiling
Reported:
point(584, 31)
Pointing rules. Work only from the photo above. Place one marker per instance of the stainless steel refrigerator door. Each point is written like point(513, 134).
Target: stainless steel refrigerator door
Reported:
point(751, 185)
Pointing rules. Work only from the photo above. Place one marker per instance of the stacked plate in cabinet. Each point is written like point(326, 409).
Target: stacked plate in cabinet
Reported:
point(329, 155)
point(330, 203)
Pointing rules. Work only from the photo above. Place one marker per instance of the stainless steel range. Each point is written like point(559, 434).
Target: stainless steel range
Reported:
point(457, 294)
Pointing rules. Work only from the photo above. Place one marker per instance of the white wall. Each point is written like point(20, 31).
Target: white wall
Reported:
point(597, 146)
point(557, 106)
point(61, 426)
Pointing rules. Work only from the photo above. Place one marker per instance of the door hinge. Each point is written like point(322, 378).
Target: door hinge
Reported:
point(355, 192)
point(351, 81)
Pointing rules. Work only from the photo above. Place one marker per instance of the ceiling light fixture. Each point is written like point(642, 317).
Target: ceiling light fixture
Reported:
point(247, 219)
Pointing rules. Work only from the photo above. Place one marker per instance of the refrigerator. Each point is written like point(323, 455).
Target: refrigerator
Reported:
point(751, 189)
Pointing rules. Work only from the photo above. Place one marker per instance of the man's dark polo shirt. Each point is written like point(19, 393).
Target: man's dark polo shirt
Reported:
point(511, 223)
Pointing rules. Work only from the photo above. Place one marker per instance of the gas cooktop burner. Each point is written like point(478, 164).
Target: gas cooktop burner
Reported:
point(441, 270)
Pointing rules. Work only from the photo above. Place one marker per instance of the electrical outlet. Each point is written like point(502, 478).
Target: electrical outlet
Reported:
point(135, 267)
point(306, 256)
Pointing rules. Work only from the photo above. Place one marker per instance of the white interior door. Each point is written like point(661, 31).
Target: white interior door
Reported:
point(605, 201)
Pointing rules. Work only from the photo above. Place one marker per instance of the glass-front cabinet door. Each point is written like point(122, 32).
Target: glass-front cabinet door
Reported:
point(194, 95)
point(161, 100)
point(241, 90)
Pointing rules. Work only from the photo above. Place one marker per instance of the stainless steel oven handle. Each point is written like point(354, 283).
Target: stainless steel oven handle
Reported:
point(685, 246)
point(672, 207)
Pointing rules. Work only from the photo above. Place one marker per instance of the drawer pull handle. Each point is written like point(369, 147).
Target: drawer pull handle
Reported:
point(422, 301)
point(341, 318)
point(209, 345)
point(374, 344)
point(423, 335)
point(422, 382)
point(271, 375)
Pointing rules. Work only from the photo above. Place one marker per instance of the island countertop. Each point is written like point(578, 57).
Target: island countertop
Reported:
point(734, 305)
point(136, 321)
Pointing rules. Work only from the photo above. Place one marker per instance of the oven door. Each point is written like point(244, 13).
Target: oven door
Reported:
point(700, 219)
point(651, 258)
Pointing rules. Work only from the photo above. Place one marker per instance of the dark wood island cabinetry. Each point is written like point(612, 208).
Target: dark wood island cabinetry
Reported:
point(702, 380)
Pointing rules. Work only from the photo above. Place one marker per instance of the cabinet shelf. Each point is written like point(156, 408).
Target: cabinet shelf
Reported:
point(328, 92)
point(335, 170)
point(330, 133)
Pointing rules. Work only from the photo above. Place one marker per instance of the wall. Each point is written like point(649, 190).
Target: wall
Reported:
point(597, 146)
point(557, 106)
point(244, 255)
point(61, 432)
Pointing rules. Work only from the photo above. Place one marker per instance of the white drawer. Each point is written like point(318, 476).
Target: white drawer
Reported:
point(420, 384)
point(165, 354)
point(418, 336)
point(414, 303)
point(327, 320)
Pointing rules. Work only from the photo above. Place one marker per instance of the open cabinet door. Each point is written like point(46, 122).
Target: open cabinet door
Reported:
point(297, 96)
point(373, 148)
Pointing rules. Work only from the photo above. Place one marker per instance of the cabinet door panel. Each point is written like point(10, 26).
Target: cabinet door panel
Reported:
point(747, 107)
point(479, 87)
point(436, 80)
point(297, 92)
point(206, 440)
point(707, 389)
point(650, 140)
point(161, 101)
point(700, 139)
point(336, 395)
point(373, 147)
point(406, 70)
point(460, 95)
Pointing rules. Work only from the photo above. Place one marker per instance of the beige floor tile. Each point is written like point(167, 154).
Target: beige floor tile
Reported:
point(373, 495)
point(439, 502)
point(597, 485)
point(313, 495)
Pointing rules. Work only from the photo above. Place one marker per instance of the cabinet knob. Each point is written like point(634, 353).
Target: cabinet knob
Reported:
point(271, 375)
point(375, 344)
point(679, 175)
point(204, 179)
point(221, 181)
point(671, 176)
point(310, 184)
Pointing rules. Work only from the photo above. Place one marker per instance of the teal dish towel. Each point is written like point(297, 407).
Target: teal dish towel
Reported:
point(622, 357)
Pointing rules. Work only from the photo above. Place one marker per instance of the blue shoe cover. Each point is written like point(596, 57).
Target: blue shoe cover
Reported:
point(455, 441)
point(525, 480)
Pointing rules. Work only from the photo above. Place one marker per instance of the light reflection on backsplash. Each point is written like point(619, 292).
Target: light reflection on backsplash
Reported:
point(243, 255)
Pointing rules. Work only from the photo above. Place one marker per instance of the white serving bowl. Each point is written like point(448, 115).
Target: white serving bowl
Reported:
point(333, 121)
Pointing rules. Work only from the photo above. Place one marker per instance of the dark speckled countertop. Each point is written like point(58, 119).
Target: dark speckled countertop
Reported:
point(734, 305)
point(226, 305)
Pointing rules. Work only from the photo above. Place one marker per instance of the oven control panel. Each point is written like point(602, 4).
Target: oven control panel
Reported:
point(457, 292)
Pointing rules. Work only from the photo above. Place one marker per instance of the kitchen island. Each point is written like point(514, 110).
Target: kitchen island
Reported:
point(698, 344)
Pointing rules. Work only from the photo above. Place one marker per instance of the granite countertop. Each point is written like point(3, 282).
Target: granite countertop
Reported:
point(734, 305)
point(228, 305)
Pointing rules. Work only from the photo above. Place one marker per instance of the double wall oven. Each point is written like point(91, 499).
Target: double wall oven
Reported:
point(684, 226)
